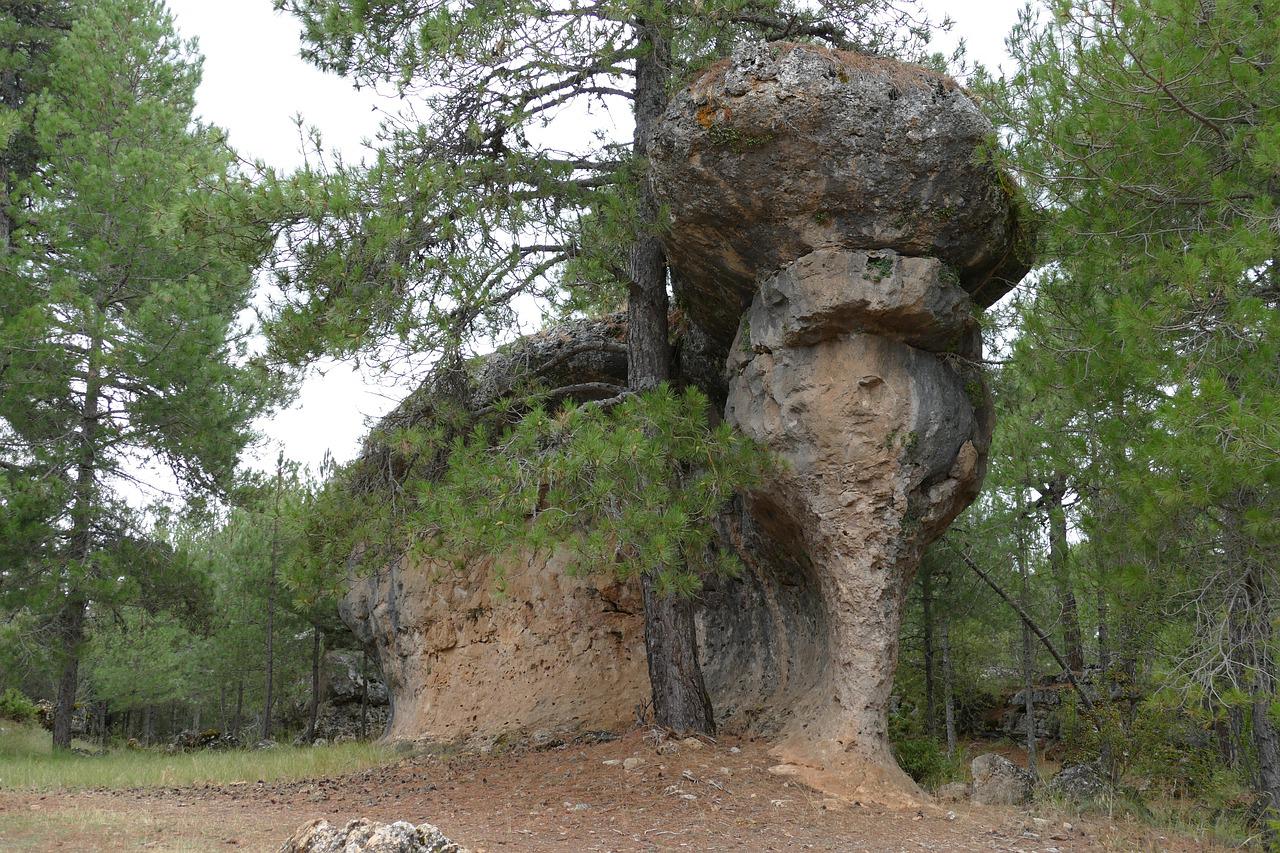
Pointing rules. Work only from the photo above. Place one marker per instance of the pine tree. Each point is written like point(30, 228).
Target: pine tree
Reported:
point(1151, 132)
point(129, 268)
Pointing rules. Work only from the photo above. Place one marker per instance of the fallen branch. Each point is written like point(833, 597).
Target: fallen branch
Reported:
point(1035, 629)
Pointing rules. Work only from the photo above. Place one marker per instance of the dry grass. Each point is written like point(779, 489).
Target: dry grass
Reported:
point(27, 763)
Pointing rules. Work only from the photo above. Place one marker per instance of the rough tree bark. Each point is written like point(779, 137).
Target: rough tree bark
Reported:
point(680, 699)
point(1073, 642)
point(271, 600)
point(1257, 621)
point(948, 677)
point(926, 603)
point(71, 619)
point(315, 683)
point(1028, 653)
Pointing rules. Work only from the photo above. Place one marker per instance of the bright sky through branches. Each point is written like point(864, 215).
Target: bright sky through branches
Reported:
point(254, 86)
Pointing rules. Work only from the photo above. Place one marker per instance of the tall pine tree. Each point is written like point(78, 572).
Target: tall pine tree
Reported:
point(128, 266)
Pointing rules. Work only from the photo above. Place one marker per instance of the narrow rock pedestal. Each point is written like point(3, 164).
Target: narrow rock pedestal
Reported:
point(882, 442)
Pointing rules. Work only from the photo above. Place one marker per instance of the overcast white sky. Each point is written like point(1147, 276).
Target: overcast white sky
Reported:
point(255, 84)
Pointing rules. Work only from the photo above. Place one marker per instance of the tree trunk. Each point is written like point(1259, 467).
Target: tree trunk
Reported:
point(315, 683)
point(680, 697)
point(71, 621)
point(238, 720)
point(1068, 610)
point(149, 725)
point(1028, 656)
point(926, 606)
point(1104, 638)
point(71, 635)
point(1260, 619)
point(271, 601)
point(948, 677)
point(364, 695)
point(680, 700)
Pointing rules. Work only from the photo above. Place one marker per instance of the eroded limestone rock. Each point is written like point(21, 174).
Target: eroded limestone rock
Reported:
point(365, 836)
point(835, 227)
point(463, 658)
point(997, 781)
point(882, 444)
point(788, 148)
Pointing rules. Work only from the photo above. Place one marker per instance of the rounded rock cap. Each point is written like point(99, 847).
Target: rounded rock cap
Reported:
point(785, 148)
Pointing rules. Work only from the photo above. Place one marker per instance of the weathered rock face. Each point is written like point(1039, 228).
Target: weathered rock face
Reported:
point(787, 148)
point(882, 444)
point(354, 703)
point(835, 228)
point(462, 657)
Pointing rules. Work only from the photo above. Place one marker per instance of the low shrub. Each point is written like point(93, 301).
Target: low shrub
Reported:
point(15, 706)
point(927, 762)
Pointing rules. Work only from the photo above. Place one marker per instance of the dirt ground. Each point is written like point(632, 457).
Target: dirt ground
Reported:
point(565, 798)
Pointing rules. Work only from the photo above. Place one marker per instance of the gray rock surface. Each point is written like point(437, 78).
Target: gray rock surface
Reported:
point(343, 682)
point(364, 836)
point(997, 781)
point(952, 792)
point(1080, 782)
point(787, 148)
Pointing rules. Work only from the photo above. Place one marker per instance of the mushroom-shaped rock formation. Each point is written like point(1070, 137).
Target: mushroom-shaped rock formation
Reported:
point(851, 202)
point(835, 225)
point(788, 148)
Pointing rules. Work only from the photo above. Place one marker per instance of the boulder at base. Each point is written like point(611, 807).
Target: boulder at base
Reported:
point(364, 836)
point(997, 781)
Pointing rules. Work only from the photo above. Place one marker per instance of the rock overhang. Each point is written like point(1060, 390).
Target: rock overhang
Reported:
point(786, 148)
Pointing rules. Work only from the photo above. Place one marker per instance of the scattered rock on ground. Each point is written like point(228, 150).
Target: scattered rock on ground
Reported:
point(997, 781)
point(1080, 782)
point(365, 836)
point(633, 763)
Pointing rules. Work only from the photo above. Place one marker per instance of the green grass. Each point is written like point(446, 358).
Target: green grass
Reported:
point(28, 763)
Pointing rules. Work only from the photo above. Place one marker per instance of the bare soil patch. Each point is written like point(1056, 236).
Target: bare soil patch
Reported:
point(565, 798)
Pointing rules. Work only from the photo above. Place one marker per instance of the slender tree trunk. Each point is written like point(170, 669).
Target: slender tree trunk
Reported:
point(238, 720)
point(948, 678)
point(71, 620)
point(315, 683)
point(222, 706)
point(149, 725)
point(680, 699)
point(1259, 619)
point(1104, 638)
point(1069, 611)
point(71, 634)
point(271, 601)
point(364, 695)
point(1028, 654)
point(926, 606)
